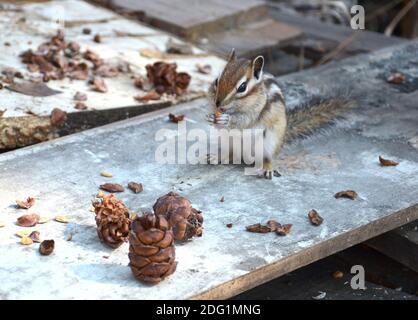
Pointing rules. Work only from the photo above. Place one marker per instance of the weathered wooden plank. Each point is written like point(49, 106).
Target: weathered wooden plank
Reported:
point(400, 244)
point(122, 40)
point(193, 18)
point(224, 261)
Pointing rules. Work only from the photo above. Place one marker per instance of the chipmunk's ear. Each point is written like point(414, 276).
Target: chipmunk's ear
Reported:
point(258, 64)
point(232, 55)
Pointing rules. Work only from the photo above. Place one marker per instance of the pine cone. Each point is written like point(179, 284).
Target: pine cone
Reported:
point(112, 220)
point(151, 250)
point(185, 221)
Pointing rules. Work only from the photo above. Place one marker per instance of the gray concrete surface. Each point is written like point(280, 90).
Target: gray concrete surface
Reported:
point(63, 175)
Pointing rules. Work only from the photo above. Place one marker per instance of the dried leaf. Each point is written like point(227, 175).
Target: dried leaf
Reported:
point(80, 96)
point(112, 187)
point(46, 247)
point(387, 162)
point(26, 241)
point(61, 218)
point(284, 229)
point(58, 117)
point(175, 118)
point(152, 95)
point(258, 228)
point(25, 204)
point(349, 194)
point(35, 89)
point(135, 187)
point(166, 79)
point(98, 84)
point(35, 236)
point(28, 220)
point(396, 78)
point(315, 218)
point(204, 69)
point(106, 174)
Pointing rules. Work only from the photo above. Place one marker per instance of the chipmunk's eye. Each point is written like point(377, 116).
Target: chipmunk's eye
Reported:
point(242, 87)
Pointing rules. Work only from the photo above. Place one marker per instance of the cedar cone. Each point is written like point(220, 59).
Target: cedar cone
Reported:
point(151, 251)
point(185, 221)
point(112, 219)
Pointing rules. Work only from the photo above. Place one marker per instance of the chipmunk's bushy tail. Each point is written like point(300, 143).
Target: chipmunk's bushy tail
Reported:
point(304, 120)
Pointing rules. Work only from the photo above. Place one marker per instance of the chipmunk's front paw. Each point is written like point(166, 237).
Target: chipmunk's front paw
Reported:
point(218, 118)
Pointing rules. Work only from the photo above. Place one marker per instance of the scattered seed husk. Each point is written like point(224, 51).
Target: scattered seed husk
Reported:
point(70, 237)
point(222, 199)
point(2, 224)
point(97, 38)
point(204, 68)
point(80, 96)
point(28, 220)
point(25, 204)
point(61, 218)
point(46, 247)
point(178, 47)
point(58, 117)
point(86, 30)
point(258, 228)
point(112, 187)
point(284, 229)
point(175, 118)
point(273, 225)
point(315, 218)
point(349, 194)
point(43, 220)
point(387, 163)
point(106, 174)
point(396, 78)
point(337, 274)
point(23, 233)
point(135, 187)
point(80, 106)
point(35, 236)
point(26, 241)
point(98, 84)
point(152, 95)
point(229, 225)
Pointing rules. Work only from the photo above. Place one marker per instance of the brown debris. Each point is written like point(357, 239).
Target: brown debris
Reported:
point(46, 247)
point(349, 194)
point(124, 67)
point(204, 68)
point(34, 89)
point(80, 96)
point(112, 220)
point(35, 236)
point(229, 225)
point(284, 229)
point(178, 47)
point(112, 187)
point(86, 31)
point(135, 187)
point(396, 78)
point(315, 218)
point(273, 225)
point(98, 84)
point(106, 71)
point(97, 38)
point(25, 204)
point(58, 117)
point(222, 199)
point(152, 95)
point(185, 220)
point(166, 79)
point(93, 57)
point(28, 220)
point(175, 118)
point(80, 105)
point(2, 112)
point(139, 82)
point(151, 251)
point(337, 274)
point(387, 163)
point(258, 228)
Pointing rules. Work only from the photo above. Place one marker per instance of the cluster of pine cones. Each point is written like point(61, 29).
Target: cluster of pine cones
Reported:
point(151, 236)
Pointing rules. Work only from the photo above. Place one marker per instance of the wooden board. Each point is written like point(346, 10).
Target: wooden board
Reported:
point(63, 175)
point(193, 18)
point(122, 40)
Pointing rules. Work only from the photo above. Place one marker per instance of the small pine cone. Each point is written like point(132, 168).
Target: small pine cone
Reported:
point(151, 251)
point(185, 221)
point(112, 220)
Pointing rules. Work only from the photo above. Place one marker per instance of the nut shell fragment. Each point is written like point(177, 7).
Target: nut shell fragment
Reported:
point(349, 194)
point(387, 163)
point(46, 247)
point(28, 220)
point(315, 218)
point(25, 204)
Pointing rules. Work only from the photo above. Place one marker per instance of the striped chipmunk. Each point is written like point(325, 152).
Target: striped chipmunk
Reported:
point(243, 97)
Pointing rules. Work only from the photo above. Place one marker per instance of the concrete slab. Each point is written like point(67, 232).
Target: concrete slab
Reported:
point(122, 40)
point(63, 175)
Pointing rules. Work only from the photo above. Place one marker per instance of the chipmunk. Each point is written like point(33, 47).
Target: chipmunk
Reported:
point(243, 97)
